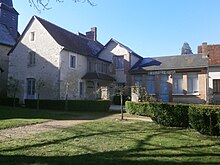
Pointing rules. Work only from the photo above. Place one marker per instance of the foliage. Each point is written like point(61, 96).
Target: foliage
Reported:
point(205, 119)
point(139, 108)
point(73, 105)
point(172, 115)
point(9, 101)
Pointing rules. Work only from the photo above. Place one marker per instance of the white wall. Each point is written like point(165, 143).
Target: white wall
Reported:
point(70, 75)
point(47, 61)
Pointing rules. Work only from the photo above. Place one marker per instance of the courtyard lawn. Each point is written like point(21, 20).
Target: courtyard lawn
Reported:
point(110, 141)
point(13, 117)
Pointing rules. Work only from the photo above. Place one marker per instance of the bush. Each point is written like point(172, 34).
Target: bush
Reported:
point(9, 101)
point(205, 119)
point(172, 115)
point(73, 105)
point(139, 108)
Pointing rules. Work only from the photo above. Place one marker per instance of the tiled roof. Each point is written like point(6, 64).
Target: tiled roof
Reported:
point(5, 36)
point(70, 41)
point(9, 8)
point(170, 63)
point(97, 76)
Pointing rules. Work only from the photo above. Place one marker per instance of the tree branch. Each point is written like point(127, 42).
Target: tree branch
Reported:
point(44, 4)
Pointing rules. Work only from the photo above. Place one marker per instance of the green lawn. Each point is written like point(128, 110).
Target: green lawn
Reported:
point(109, 141)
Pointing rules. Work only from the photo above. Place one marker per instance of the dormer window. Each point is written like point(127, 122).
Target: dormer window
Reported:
point(32, 36)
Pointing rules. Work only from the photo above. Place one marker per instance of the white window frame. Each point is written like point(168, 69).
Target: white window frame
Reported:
point(178, 84)
point(192, 81)
point(31, 90)
point(70, 61)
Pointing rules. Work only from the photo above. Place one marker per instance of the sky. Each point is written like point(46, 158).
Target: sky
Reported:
point(149, 27)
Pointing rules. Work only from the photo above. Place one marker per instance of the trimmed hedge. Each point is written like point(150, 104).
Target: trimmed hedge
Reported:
point(205, 119)
point(171, 115)
point(9, 101)
point(139, 108)
point(73, 105)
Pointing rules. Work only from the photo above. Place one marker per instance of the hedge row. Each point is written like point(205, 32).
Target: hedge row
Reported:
point(9, 101)
point(70, 105)
point(203, 118)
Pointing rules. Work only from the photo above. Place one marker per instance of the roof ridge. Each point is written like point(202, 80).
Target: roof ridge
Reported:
point(80, 36)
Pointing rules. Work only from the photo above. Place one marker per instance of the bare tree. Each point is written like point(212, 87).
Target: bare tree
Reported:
point(39, 85)
point(13, 87)
point(45, 4)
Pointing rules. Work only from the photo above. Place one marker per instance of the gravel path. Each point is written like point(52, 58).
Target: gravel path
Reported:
point(23, 131)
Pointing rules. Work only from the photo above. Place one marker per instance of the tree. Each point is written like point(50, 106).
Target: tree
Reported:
point(13, 87)
point(186, 49)
point(39, 85)
point(45, 4)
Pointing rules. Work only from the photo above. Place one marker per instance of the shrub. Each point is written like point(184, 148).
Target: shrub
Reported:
point(205, 119)
point(139, 108)
point(167, 114)
point(73, 105)
point(171, 115)
point(9, 101)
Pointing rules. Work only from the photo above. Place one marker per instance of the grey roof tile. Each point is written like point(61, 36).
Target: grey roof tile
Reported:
point(170, 63)
point(70, 41)
point(5, 36)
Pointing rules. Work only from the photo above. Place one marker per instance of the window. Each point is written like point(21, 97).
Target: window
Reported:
point(150, 84)
point(193, 83)
point(30, 87)
point(138, 80)
point(72, 61)
point(216, 86)
point(31, 58)
point(119, 62)
point(81, 89)
point(178, 84)
point(32, 36)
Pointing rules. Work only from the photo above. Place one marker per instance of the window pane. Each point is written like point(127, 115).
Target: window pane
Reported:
point(73, 61)
point(150, 85)
point(193, 83)
point(216, 86)
point(120, 62)
point(178, 84)
point(138, 80)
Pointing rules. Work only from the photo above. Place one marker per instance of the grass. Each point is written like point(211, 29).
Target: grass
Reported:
point(13, 117)
point(108, 141)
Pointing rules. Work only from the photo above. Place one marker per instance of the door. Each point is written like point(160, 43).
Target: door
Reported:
point(164, 88)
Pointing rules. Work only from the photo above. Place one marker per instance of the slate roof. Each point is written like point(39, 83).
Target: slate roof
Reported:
point(5, 36)
point(97, 76)
point(70, 41)
point(170, 63)
point(126, 47)
point(9, 8)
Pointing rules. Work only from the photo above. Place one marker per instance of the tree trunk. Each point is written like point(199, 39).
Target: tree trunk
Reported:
point(122, 114)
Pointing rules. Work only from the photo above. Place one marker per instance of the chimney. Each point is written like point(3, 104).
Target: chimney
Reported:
point(203, 49)
point(92, 34)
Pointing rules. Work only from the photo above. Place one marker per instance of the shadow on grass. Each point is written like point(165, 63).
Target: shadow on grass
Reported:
point(145, 151)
